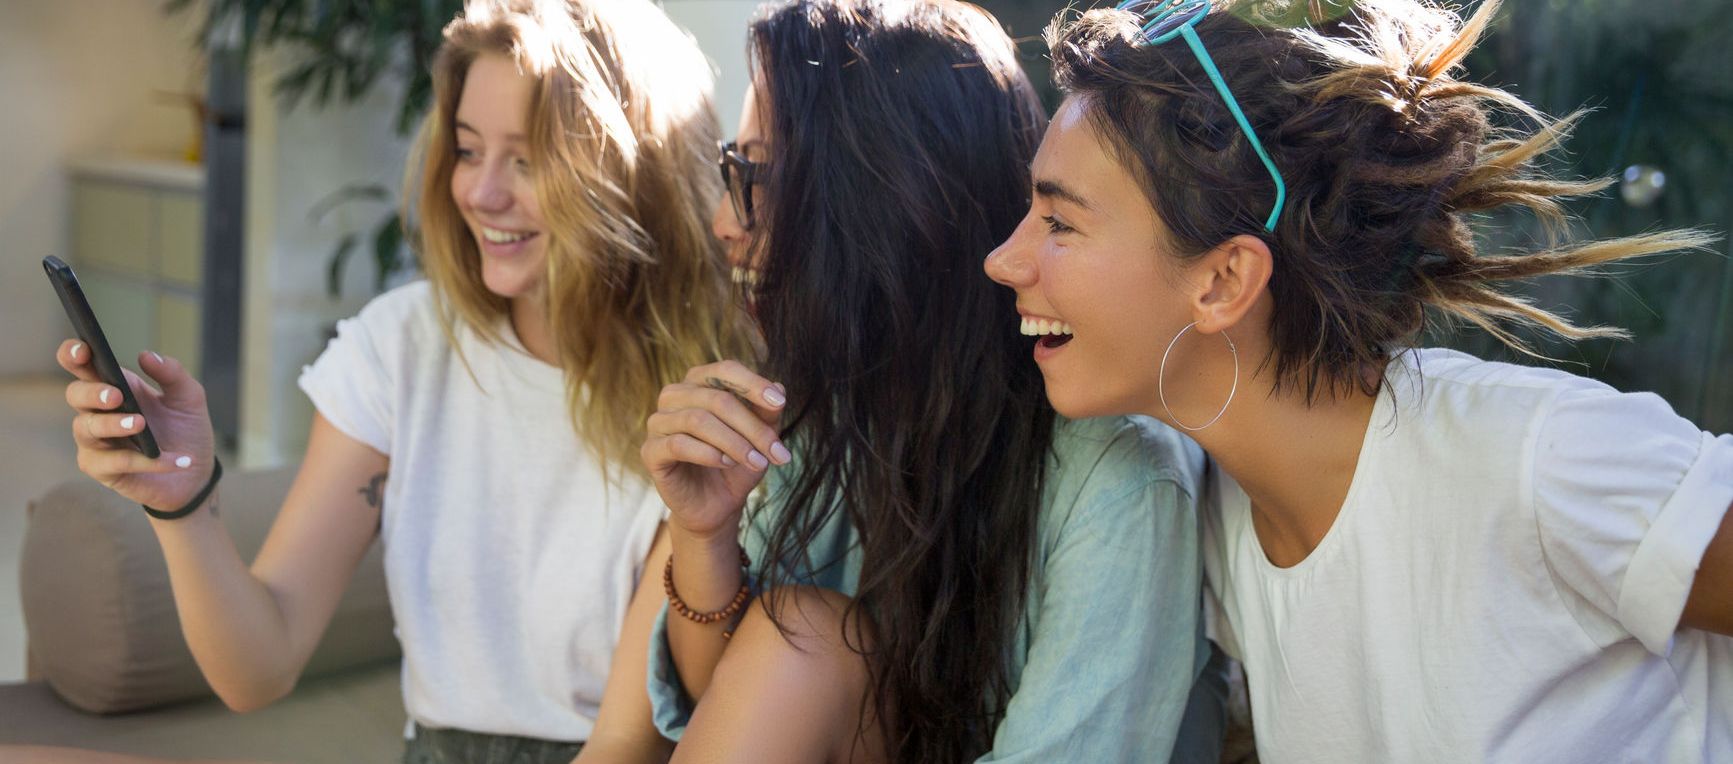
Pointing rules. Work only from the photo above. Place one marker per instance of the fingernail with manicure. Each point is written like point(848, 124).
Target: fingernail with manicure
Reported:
point(103, 396)
point(126, 423)
point(773, 395)
point(184, 462)
point(727, 462)
point(757, 460)
point(780, 452)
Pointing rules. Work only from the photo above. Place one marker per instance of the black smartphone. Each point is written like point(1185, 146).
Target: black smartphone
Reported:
point(101, 357)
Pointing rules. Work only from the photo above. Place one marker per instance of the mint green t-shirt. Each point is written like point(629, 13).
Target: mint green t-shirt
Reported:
point(1110, 644)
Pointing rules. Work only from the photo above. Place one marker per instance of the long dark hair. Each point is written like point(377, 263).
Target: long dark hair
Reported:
point(900, 139)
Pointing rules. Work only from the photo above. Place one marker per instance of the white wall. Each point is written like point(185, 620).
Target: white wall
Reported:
point(720, 28)
point(77, 78)
point(295, 158)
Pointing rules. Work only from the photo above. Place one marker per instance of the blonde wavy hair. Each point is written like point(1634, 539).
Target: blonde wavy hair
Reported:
point(622, 136)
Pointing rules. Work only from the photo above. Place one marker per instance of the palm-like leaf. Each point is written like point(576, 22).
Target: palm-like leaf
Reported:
point(342, 50)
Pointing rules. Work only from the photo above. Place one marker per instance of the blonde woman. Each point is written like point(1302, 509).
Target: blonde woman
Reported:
point(474, 421)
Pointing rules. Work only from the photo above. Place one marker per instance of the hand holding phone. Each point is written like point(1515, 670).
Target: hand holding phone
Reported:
point(152, 446)
point(101, 357)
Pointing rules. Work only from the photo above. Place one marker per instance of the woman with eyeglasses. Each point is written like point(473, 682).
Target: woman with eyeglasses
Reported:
point(885, 545)
point(1418, 555)
point(481, 423)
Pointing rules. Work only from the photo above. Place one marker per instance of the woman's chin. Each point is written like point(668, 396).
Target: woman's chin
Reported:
point(509, 291)
point(1071, 409)
point(509, 283)
point(1083, 402)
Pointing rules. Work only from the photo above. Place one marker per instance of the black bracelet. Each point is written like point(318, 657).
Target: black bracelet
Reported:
point(204, 493)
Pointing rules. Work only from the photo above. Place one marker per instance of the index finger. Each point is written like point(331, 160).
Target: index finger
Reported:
point(764, 397)
point(74, 356)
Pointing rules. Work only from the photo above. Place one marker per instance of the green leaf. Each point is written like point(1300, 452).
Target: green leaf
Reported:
point(416, 99)
point(347, 46)
point(387, 250)
point(369, 192)
point(334, 269)
point(327, 78)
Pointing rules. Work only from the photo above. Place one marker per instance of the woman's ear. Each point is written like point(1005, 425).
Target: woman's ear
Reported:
point(1228, 282)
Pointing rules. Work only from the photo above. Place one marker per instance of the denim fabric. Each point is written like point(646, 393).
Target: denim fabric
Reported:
point(448, 746)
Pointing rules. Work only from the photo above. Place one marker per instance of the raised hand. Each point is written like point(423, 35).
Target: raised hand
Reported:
point(177, 417)
point(709, 444)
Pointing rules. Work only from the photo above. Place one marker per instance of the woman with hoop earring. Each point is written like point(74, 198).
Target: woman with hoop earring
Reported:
point(1417, 555)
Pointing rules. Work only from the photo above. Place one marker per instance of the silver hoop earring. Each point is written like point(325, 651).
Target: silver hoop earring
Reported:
point(1161, 381)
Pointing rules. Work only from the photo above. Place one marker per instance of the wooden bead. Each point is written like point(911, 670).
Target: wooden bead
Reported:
point(680, 607)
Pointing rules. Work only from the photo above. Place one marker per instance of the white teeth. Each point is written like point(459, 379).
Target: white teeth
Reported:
point(1035, 327)
point(502, 237)
point(745, 277)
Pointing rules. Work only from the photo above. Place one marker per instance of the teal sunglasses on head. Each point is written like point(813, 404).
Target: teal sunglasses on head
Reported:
point(1164, 20)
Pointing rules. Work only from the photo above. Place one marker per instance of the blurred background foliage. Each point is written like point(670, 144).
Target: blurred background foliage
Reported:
point(337, 51)
point(1657, 77)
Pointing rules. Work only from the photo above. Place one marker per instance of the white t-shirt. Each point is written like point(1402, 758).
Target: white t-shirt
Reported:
point(1503, 583)
point(509, 563)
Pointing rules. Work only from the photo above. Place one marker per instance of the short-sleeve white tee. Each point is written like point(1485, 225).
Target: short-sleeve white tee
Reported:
point(1503, 583)
point(509, 559)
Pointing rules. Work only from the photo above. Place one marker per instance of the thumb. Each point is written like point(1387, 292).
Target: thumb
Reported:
point(179, 389)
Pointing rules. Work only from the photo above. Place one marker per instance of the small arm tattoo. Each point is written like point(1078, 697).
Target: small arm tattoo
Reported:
point(374, 491)
point(718, 383)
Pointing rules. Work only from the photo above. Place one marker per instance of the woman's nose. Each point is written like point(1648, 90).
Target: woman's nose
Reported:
point(725, 224)
point(491, 192)
point(1010, 264)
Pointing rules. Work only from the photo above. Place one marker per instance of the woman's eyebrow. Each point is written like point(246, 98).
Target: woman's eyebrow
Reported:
point(1056, 190)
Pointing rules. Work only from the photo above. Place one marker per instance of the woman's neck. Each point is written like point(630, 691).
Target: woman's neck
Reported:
point(1295, 461)
point(529, 319)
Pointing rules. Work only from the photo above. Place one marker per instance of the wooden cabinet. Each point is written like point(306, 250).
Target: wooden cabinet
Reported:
point(138, 247)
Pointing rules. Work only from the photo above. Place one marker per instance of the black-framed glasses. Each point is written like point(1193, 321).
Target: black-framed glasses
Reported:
point(739, 174)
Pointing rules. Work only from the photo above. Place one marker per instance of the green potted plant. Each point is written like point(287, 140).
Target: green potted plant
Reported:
point(347, 48)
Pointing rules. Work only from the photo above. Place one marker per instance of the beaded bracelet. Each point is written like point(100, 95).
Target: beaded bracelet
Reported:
point(680, 607)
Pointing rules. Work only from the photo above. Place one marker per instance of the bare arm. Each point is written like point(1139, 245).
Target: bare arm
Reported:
point(1710, 605)
point(708, 445)
point(706, 575)
point(251, 631)
point(625, 731)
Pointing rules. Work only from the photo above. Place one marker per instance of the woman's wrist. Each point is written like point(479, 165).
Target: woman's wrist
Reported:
point(727, 615)
point(205, 496)
point(722, 542)
point(706, 571)
point(205, 513)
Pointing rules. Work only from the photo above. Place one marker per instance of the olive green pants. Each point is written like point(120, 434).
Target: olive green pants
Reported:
point(448, 746)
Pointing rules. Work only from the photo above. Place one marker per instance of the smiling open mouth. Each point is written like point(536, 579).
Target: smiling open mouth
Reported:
point(1053, 332)
point(498, 236)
